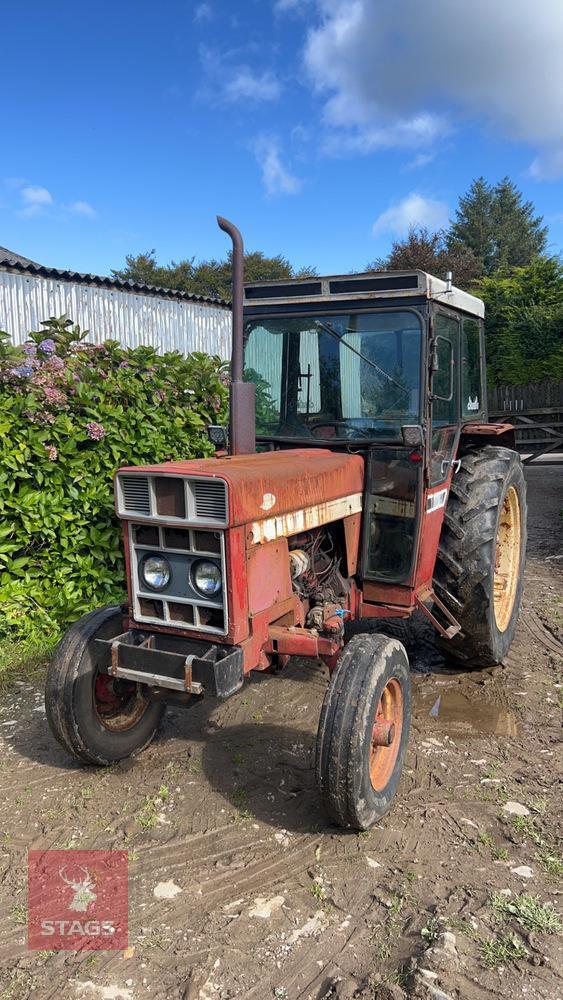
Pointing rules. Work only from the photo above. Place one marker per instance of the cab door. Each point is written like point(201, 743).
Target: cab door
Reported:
point(444, 396)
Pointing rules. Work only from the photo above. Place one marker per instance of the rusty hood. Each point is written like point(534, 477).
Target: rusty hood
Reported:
point(271, 483)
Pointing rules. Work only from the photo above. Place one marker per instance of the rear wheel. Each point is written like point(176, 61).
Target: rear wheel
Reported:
point(97, 718)
point(363, 731)
point(480, 564)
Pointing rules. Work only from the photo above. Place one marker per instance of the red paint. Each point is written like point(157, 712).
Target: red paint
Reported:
point(429, 536)
point(296, 478)
point(491, 430)
point(269, 580)
point(352, 536)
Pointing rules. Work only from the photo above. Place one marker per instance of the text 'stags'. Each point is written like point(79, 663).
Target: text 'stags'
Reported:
point(77, 900)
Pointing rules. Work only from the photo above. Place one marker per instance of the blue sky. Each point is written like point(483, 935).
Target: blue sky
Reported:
point(323, 128)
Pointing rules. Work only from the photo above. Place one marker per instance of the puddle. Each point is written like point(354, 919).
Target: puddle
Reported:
point(456, 713)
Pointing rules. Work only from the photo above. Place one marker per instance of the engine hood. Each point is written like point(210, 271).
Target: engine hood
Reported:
point(269, 484)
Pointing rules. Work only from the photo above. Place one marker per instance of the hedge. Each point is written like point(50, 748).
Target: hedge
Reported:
point(71, 413)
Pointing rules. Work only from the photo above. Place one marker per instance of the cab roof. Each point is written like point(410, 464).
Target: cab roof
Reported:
point(369, 285)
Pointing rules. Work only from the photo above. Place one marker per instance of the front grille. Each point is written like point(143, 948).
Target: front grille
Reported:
point(183, 500)
point(210, 500)
point(179, 604)
point(136, 495)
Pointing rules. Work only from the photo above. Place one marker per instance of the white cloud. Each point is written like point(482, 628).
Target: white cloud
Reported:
point(379, 62)
point(277, 179)
point(35, 200)
point(203, 12)
point(419, 161)
point(548, 166)
point(413, 210)
point(228, 81)
point(83, 208)
point(283, 6)
point(421, 130)
point(246, 84)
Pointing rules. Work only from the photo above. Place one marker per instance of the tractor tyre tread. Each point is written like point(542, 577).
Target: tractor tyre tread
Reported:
point(464, 571)
point(71, 655)
point(340, 746)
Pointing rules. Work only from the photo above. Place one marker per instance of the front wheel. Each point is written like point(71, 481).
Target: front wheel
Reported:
point(363, 731)
point(97, 718)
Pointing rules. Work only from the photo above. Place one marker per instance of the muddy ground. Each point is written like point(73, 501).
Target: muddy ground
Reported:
point(264, 898)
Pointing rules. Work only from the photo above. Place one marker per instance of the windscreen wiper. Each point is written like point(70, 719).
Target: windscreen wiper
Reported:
point(381, 371)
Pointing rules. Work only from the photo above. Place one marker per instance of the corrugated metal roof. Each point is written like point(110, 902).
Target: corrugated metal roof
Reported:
point(23, 266)
point(9, 257)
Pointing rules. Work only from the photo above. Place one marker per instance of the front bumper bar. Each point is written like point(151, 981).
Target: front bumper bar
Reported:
point(163, 661)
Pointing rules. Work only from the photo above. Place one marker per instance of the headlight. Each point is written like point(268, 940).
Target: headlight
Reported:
point(206, 577)
point(156, 572)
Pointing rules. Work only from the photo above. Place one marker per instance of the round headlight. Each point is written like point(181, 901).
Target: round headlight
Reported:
point(156, 572)
point(206, 577)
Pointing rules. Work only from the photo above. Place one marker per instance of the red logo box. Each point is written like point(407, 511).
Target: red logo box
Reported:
point(77, 900)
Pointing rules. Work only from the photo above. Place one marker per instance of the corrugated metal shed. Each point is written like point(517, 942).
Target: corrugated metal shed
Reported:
point(112, 309)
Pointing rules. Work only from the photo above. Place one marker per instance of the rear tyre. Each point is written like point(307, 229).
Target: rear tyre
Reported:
point(363, 731)
point(97, 719)
point(480, 565)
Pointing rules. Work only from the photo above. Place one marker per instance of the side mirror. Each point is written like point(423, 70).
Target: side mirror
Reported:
point(218, 436)
point(412, 435)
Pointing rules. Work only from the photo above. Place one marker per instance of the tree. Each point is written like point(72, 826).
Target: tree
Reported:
point(432, 252)
point(524, 323)
point(498, 226)
point(208, 277)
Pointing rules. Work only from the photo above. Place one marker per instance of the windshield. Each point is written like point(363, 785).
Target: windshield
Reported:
point(347, 376)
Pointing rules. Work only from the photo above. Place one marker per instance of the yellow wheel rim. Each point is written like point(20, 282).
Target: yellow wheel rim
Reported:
point(507, 559)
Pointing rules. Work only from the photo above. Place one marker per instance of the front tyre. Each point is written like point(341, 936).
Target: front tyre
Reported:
point(96, 718)
point(363, 731)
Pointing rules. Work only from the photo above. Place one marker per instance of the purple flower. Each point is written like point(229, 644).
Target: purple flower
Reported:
point(47, 346)
point(95, 431)
point(51, 452)
point(23, 371)
point(55, 363)
point(29, 349)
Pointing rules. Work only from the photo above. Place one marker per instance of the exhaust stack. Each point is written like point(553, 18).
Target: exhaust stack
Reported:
point(242, 429)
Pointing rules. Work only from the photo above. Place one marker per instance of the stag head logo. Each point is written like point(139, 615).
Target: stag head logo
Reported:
point(82, 889)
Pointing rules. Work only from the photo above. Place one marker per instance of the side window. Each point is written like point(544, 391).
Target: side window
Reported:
point(445, 389)
point(472, 396)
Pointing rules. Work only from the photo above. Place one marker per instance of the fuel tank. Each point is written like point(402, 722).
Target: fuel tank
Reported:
point(271, 483)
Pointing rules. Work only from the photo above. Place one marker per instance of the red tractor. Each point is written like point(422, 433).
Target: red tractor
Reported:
point(362, 480)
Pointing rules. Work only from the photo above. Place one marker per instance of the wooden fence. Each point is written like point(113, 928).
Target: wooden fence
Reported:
point(537, 413)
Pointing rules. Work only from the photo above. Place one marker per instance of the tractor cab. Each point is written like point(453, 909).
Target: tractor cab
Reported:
point(386, 365)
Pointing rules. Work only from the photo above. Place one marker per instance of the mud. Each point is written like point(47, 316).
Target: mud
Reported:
point(239, 888)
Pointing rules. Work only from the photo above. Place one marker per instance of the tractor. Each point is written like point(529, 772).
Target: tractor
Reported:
point(360, 481)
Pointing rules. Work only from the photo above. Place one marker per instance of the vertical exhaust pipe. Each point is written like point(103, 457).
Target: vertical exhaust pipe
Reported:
point(242, 430)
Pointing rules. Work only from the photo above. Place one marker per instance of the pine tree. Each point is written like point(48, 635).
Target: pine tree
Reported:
point(498, 226)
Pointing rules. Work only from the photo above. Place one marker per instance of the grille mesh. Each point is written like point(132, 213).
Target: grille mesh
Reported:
point(136, 496)
point(210, 500)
